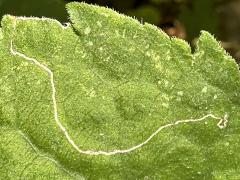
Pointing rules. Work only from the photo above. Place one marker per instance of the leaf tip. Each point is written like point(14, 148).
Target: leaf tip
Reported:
point(207, 36)
point(208, 43)
point(181, 44)
point(7, 19)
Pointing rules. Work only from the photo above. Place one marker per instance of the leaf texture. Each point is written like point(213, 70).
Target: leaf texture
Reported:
point(106, 97)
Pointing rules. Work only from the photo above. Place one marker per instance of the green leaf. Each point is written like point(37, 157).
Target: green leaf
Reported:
point(109, 98)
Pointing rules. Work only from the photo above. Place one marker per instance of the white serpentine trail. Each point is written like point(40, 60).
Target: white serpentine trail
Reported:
point(221, 124)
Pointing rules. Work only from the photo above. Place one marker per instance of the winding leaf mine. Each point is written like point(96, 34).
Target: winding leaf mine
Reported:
point(106, 97)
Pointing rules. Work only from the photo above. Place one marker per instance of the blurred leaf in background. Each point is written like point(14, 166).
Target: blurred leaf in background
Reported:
point(200, 16)
point(229, 16)
point(116, 4)
point(147, 13)
point(48, 8)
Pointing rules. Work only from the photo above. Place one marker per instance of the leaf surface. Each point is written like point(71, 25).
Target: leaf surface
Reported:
point(109, 98)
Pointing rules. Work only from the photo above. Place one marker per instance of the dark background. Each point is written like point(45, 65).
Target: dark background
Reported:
point(182, 18)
